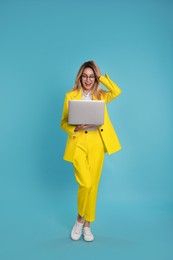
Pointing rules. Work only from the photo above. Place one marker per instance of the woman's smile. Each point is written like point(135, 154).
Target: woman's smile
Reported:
point(87, 85)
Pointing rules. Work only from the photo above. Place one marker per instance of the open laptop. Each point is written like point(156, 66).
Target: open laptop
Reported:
point(86, 112)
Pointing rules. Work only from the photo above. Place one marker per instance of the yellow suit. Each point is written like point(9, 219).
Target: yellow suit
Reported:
point(85, 149)
point(107, 131)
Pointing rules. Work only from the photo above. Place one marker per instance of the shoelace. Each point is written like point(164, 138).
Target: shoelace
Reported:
point(88, 231)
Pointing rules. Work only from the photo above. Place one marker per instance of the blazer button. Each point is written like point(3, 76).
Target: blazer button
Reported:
point(86, 132)
point(102, 130)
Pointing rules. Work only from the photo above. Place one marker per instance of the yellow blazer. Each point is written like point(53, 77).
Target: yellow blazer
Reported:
point(107, 131)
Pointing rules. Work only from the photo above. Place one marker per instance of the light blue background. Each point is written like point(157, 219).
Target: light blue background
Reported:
point(42, 45)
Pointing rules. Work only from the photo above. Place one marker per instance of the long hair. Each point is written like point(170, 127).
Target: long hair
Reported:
point(78, 81)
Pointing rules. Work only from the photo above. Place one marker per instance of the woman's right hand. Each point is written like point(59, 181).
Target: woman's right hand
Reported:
point(82, 127)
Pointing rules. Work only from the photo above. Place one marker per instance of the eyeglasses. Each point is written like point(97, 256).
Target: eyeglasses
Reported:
point(92, 77)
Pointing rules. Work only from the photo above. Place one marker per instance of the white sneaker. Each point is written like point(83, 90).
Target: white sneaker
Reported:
point(77, 231)
point(88, 236)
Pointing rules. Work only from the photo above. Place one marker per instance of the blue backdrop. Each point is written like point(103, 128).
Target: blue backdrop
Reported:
point(42, 45)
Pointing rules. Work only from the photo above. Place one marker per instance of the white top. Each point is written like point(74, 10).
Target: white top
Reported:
point(88, 96)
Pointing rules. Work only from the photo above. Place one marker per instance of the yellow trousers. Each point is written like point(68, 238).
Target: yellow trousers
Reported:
point(88, 162)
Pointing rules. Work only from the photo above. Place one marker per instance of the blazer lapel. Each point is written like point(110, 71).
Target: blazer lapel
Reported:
point(77, 95)
point(94, 98)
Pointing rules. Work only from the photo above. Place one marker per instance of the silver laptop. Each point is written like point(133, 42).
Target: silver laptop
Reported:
point(86, 112)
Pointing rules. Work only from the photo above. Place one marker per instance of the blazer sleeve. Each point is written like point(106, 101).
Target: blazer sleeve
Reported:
point(114, 90)
point(64, 121)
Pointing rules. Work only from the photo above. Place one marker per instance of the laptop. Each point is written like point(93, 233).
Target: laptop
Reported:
point(86, 112)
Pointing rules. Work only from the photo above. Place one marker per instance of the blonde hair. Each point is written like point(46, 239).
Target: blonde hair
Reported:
point(78, 82)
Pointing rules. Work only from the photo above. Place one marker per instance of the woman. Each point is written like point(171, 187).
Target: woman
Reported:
point(86, 144)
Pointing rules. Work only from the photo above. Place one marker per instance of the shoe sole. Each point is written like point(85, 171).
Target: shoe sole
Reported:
point(87, 240)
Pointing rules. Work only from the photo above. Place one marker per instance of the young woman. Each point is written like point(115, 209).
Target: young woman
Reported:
point(86, 144)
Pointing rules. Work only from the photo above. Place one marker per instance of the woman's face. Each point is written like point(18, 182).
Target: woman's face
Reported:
point(88, 79)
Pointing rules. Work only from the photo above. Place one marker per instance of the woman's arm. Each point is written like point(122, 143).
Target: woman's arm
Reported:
point(64, 121)
point(114, 90)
